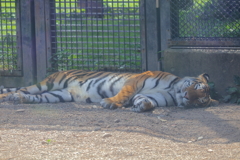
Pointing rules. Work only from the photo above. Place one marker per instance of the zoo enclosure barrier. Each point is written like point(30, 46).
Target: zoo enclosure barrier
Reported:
point(205, 23)
point(95, 35)
point(41, 37)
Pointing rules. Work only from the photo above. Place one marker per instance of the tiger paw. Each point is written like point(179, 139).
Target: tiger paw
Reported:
point(108, 104)
point(142, 106)
point(18, 98)
point(9, 97)
point(141, 103)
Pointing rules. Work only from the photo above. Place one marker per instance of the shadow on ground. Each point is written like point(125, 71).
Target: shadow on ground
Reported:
point(221, 124)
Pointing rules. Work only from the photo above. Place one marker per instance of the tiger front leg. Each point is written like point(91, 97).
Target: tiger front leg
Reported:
point(108, 103)
point(121, 99)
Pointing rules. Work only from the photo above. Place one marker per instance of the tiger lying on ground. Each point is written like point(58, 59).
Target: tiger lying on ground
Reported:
point(142, 91)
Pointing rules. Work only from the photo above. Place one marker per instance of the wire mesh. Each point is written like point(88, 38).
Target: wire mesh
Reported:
point(205, 20)
point(8, 37)
point(95, 35)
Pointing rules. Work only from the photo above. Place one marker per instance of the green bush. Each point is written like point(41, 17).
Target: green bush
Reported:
point(233, 92)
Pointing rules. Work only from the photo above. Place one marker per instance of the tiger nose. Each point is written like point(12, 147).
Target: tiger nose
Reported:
point(186, 95)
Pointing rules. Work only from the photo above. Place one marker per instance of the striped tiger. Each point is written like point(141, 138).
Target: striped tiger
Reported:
point(142, 91)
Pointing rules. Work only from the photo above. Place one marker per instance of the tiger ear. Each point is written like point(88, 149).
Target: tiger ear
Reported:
point(204, 77)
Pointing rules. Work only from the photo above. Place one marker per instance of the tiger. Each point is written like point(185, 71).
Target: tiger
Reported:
point(142, 91)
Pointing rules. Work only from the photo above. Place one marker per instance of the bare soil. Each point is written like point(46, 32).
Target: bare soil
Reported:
point(83, 131)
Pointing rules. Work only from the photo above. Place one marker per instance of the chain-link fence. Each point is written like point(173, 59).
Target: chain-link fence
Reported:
point(205, 20)
point(8, 35)
point(95, 35)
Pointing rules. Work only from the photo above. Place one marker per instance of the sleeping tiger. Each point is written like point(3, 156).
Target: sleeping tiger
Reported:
point(142, 91)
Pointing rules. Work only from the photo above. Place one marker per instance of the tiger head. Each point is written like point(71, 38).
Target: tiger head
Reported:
point(195, 92)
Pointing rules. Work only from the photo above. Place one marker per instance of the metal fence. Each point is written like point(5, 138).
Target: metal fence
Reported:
point(95, 35)
point(205, 20)
point(8, 36)
point(39, 37)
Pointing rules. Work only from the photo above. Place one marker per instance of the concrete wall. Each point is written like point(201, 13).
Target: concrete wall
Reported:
point(220, 64)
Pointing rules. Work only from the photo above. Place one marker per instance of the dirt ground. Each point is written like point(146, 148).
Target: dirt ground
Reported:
point(83, 131)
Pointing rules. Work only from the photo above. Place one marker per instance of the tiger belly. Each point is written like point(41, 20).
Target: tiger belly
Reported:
point(80, 95)
point(94, 90)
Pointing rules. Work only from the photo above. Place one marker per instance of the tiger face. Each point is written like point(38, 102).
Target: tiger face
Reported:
point(195, 92)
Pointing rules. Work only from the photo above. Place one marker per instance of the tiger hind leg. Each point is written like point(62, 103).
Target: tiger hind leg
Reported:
point(7, 90)
point(47, 97)
point(143, 103)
